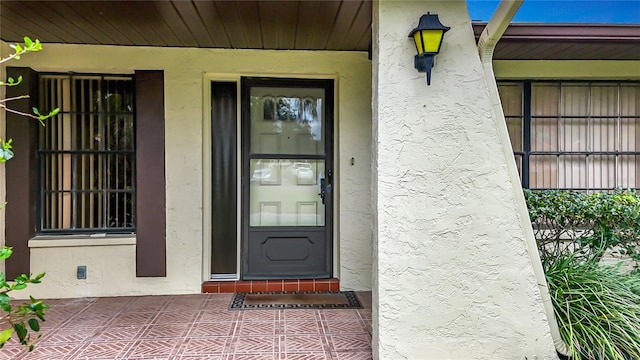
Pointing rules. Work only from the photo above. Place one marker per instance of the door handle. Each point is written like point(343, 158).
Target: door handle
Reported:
point(322, 189)
point(324, 185)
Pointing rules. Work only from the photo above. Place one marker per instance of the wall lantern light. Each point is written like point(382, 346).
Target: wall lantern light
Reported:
point(428, 39)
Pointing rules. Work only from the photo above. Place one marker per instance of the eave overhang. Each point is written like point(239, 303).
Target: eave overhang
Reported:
point(532, 41)
point(343, 25)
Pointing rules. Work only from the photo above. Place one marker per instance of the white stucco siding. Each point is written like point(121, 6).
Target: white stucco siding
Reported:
point(111, 269)
point(452, 277)
point(354, 182)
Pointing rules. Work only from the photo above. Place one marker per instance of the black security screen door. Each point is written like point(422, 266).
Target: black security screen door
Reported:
point(287, 178)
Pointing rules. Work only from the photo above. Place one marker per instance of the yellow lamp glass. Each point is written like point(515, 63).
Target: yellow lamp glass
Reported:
point(428, 41)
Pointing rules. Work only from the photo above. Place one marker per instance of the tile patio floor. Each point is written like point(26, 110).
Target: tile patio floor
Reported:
point(196, 327)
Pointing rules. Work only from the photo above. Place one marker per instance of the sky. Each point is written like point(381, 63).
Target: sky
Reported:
point(564, 11)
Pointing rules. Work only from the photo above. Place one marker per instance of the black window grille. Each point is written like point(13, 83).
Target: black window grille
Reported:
point(86, 154)
point(574, 135)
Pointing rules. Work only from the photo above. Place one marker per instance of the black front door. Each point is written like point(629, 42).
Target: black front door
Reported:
point(287, 178)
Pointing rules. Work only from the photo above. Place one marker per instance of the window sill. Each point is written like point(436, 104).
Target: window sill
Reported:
point(51, 241)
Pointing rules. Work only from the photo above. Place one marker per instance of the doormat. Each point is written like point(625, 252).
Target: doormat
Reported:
point(296, 300)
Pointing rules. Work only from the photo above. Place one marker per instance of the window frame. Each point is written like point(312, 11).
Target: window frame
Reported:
point(526, 123)
point(40, 153)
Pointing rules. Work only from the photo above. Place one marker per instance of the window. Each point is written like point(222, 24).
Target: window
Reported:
point(86, 154)
point(574, 135)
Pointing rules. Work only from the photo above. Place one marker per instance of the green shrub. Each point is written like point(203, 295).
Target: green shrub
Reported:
point(597, 308)
point(21, 319)
point(587, 225)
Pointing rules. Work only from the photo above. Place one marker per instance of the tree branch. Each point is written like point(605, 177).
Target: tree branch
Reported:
point(11, 57)
point(18, 112)
point(14, 98)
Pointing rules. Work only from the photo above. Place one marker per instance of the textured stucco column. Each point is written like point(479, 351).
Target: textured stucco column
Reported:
point(452, 278)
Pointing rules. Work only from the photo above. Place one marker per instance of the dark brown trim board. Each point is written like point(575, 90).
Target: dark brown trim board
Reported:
point(21, 171)
point(537, 41)
point(151, 248)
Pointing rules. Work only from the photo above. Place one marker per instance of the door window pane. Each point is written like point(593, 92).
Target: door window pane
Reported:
point(287, 121)
point(285, 192)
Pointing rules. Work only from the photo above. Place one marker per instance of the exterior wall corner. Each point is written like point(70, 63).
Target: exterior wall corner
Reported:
point(452, 276)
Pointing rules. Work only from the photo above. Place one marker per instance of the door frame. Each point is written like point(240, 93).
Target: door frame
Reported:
point(246, 82)
point(207, 78)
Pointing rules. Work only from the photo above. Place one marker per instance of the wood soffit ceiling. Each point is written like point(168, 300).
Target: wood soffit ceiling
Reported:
point(285, 25)
point(300, 25)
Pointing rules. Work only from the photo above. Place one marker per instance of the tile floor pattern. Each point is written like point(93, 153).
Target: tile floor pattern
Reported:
point(196, 327)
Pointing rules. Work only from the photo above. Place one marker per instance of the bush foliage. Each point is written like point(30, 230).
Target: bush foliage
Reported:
point(19, 319)
point(22, 320)
point(587, 225)
point(597, 305)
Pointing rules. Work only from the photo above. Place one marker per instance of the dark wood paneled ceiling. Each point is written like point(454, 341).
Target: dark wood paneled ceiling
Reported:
point(293, 24)
point(301, 25)
point(567, 42)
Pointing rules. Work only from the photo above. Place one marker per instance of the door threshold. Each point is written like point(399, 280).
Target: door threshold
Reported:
point(253, 286)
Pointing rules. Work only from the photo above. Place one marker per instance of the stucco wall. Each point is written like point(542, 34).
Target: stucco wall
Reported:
point(452, 277)
point(111, 269)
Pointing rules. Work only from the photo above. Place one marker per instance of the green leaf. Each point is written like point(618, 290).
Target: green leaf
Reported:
point(34, 325)
point(20, 286)
point(28, 42)
point(21, 331)
point(5, 252)
point(35, 46)
point(6, 154)
point(5, 335)
point(4, 298)
point(35, 110)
